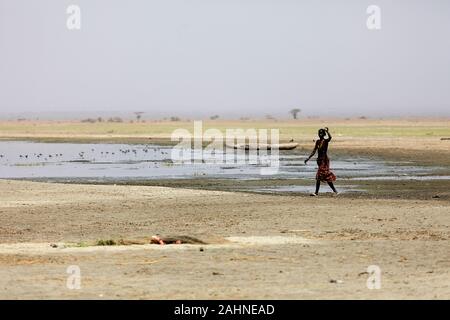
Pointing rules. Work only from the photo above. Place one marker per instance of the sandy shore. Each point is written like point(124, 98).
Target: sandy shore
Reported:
point(280, 246)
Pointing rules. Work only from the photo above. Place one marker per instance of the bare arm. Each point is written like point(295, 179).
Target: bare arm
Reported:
point(329, 135)
point(313, 152)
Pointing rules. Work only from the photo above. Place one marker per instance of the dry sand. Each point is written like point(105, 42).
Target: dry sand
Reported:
point(262, 246)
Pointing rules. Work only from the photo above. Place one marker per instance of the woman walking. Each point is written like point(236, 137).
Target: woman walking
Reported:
point(323, 172)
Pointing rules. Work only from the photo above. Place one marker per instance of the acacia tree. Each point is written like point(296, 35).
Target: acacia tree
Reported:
point(138, 115)
point(295, 112)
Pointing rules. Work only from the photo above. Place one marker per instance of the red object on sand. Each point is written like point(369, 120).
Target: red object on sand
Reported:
point(157, 240)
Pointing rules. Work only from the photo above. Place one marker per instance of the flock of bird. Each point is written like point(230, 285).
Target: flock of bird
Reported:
point(83, 155)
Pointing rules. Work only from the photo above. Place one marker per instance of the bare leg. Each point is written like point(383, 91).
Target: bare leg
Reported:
point(317, 186)
point(332, 187)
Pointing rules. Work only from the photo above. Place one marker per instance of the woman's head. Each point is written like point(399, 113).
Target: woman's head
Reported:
point(321, 133)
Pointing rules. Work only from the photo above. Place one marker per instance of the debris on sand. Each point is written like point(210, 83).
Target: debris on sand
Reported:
point(157, 240)
point(175, 240)
point(336, 281)
point(126, 242)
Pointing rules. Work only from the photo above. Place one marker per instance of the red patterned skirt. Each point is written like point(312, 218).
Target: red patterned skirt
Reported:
point(323, 173)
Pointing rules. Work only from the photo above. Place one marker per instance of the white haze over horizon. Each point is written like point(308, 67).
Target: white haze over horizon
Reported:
point(234, 58)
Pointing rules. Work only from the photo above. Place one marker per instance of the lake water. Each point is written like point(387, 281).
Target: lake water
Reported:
point(20, 159)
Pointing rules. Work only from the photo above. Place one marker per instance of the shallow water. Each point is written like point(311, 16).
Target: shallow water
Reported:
point(20, 159)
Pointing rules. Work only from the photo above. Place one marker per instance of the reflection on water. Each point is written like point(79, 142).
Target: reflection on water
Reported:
point(19, 159)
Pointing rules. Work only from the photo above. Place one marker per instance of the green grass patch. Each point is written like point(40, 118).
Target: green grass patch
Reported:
point(108, 242)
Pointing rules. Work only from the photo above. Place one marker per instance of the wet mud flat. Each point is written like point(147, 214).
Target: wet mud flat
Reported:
point(436, 189)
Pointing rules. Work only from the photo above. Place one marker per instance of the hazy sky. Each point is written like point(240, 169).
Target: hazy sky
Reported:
point(226, 57)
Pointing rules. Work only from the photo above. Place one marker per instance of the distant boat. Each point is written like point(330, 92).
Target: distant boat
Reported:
point(265, 146)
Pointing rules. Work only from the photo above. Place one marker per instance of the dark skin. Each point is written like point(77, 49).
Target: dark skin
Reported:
point(321, 153)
